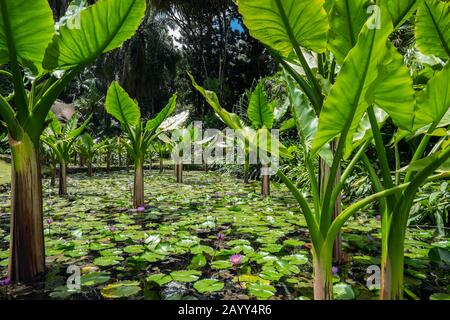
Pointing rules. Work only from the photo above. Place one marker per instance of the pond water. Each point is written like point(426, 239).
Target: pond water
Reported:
point(180, 246)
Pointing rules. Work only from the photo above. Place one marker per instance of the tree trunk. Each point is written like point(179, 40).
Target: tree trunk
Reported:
point(81, 161)
point(62, 178)
point(27, 253)
point(323, 279)
point(138, 197)
point(265, 181)
point(108, 163)
point(53, 176)
point(179, 172)
point(89, 171)
point(161, 165)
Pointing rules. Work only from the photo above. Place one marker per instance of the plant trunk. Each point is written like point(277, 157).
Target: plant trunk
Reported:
point(62, 178)
point(89, 166)
point(108, 163)
point(53, 176)
point(179, 172)
point(246, 168)
point(138, 197)
point(324, 173)
point(323, 279)
point(27, 253)
point(205, 167)
point(392, 266)
point(81, 161)
point(265, 181)
point(161, 165)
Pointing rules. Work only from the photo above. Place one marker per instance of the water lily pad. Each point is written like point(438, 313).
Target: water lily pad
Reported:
point(198, 261)
point(106, 261)
point(160, 278)
point(343, 291)
point(121, 289)
point(221, 264)
point(208, 285)
point(134, 249)
point(440, 296)
point(185, 275)
point(94, 278)
point(262, 291)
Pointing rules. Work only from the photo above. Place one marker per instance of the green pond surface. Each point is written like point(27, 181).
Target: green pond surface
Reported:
point(172, 250)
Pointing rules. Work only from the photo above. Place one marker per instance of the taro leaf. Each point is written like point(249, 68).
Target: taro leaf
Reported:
point(259, 111)
point(121, 289)
point(432, 21)
point(121, 106)
point(102, 27)
point(221, 264)
point(198, 261)
point(285, 24)
point(94, 278)
point(29, 28)
point(159, 278)
point(440, 296)
point(185, 275)
point(343, 291)
point(346, 21)
point(401, 10)
point(208, 285)
point(106, 261)
point(262, 291)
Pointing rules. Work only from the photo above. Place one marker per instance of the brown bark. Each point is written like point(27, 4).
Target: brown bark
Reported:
point(161, 165)
point(265, 181)
point(27, 253)
point(89, 166)
point(138, 197)
point(179, 172)
point(62, 179)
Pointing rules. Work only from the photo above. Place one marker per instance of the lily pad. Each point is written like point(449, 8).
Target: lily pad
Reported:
point(208, 285)
point(185, 275)
point(121, 289)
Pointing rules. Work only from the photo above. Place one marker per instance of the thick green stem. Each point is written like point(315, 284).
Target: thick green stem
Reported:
point(265, 181)
point(27, 254)
point(323, 278)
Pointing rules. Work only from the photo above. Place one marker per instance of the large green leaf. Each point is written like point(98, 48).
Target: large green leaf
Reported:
point(102, 27)
point(393, 91)
point(259, 111)
point(283, 24)
point(153, 124)
point(433, 28)
point(346, 103)
point(26, 27)
point(401, 10)
point(434, 101)
point(121, 106)
point(232, 120)
point(346, 21)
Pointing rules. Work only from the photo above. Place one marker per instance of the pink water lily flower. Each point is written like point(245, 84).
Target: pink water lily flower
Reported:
point(5, 282)
point(236, 259)
point(50, 221)
point(141, 209)
point(220, 236)
point(112, 228)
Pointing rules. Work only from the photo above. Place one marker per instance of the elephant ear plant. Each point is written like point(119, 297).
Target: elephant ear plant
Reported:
point(343, 94)
point(88, 149)
point(61, 140)
point(138, 136)
point(30, 44)
point(255, 136)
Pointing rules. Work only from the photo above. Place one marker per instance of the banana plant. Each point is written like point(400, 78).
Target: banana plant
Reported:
point(161, 149)
point(255, 136)
point(138, 136)
point(354, 79)
point(62, 140)
point(88, 149)
point(30, 44)
point(109, 147)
